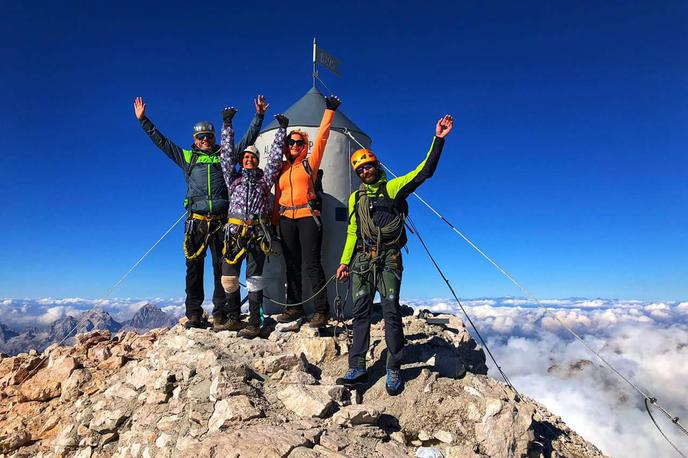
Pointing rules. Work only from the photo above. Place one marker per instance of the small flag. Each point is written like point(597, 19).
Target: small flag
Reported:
point(328, 61)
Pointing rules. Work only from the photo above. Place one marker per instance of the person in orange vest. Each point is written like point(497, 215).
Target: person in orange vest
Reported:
point(299, 218)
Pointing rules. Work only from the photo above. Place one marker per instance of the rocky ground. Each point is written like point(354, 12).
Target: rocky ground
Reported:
point(177, 393)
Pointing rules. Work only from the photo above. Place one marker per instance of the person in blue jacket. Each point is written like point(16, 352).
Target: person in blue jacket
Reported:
point(207, 203)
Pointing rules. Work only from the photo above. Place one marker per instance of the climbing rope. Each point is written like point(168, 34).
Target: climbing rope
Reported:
point(284, 304)
point(531, 296)
point(475, 328)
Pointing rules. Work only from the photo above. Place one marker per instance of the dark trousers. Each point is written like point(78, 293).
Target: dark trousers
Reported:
point(384, 277)
point(301, 243)
point(196, 235)
point(255, 260)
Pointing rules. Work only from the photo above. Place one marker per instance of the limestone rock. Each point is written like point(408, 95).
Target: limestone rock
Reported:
point(356, 415)
point(288, 361)
point(251, 442)
point(307, 401)
point(193, 393)
point(391, 449)
point(444, 436)
point(318, 349)
point(230, 410)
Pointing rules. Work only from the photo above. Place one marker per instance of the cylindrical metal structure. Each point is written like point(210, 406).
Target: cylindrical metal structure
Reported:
point(338, 181)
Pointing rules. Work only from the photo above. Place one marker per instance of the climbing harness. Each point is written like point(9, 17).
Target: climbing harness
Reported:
point(210, 220)
point(235, 245)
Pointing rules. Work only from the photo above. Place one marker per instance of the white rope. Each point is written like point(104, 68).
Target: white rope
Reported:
point(118, 282)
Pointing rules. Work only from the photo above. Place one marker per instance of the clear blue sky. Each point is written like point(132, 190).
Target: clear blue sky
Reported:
point(567, 164)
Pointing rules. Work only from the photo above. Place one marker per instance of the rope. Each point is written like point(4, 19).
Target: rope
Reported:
point(647, 407)
point(475, 328)
point(323, 83)
point(118, 282)
point(370, 231)
point(107, 294)
point(283, 304)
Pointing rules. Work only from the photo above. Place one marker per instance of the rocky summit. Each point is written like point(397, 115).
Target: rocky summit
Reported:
point(195, 393)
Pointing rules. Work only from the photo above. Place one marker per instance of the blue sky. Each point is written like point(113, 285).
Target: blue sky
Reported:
point(567, 164)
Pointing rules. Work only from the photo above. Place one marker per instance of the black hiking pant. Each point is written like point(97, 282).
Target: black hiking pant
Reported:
point(301, 244)
point(195, 237)
point(385, 277)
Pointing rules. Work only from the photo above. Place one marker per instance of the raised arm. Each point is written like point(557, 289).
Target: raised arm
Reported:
point(403, 186)
point(229, 156)
point(171, 150)
point(256, 123)
point(315, 158)
point(274, 163)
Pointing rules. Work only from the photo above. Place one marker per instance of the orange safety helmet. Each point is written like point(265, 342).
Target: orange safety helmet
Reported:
point(361, 157)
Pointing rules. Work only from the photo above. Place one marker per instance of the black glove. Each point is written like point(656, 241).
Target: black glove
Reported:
point(228, 113)
point(282, 120)
point(332, 102)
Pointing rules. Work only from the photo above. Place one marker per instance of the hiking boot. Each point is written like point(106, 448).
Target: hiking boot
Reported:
point(265, 332)
point(196, 322)
point(353, 376)
point(292, 314)
point(393, 382)
point(228, 325)
point(249, 332)
point(319, 320)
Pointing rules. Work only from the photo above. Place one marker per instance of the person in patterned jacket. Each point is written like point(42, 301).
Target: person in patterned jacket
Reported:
point(246, 233)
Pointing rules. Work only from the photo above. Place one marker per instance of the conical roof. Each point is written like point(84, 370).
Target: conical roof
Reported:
point(308, 111)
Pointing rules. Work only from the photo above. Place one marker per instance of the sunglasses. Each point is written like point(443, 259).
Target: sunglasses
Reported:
point(293, 142)
point(205, 136)
point(364, 167)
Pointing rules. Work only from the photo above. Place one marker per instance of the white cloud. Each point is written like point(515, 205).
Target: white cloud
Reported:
point(646, 341)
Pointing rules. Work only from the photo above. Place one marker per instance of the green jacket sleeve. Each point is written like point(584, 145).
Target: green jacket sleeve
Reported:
point(170, 149)
point(350, 244)
point(251, 134)
point(401, 187)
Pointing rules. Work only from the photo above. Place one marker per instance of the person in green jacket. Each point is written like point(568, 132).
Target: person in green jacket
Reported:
point(207, 203)
point(372, 253)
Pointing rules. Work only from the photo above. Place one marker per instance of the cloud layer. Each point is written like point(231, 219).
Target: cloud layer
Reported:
point(646, 341)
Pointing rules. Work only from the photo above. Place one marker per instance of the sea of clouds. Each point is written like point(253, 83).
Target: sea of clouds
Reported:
point(646, 341)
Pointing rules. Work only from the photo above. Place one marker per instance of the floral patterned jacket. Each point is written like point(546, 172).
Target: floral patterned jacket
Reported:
point(249, 190)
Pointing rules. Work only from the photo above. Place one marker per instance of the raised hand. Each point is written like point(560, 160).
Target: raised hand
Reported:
point(444, 126)
point(139, 108)
point(332, 102)
point(282, 120)
point(261, 105)
point(228, 113)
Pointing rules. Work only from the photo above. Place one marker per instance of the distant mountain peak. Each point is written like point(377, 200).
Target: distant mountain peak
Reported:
point(148, 317)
